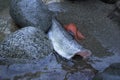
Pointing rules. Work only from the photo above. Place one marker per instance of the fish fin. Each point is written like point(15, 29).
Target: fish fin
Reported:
point(73, 29)
point(80, 36)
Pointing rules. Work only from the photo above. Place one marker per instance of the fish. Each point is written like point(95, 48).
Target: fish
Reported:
point(64, 44)
point(73, 30)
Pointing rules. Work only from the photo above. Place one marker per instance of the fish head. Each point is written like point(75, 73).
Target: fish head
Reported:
point(85, 53)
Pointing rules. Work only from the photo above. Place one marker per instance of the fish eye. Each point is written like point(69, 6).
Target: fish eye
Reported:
point(72, 34)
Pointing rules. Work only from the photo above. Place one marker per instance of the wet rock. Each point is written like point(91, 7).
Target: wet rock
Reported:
point(52, 1)
point(111, 73)
point(27, 43)
point(83, 75)
point(31, 13)
point(63, 75)
point(56, 7)
point(115, 14)
point(45, 68)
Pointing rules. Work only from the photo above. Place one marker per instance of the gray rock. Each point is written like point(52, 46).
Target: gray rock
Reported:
point(31, 13)
point(115, 14)
point(56, 7)
point(48, 68)
point(111, 73)
point(83, 75)
point(27, 43)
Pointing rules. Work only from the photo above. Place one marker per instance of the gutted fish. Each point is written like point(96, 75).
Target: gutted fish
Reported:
point(64, 44)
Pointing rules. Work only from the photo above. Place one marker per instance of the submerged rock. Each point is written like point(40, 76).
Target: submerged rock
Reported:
point(115, 14)
point(111, 73)
point(27, 43)
point(30, 13)
point(46, 68)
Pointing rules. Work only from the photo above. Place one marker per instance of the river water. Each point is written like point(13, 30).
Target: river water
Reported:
point(102, 38)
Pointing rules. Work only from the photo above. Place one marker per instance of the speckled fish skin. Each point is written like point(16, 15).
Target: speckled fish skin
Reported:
point(64, 44)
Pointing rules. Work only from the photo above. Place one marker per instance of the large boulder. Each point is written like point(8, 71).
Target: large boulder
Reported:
point(26, 43)
point(31, 13)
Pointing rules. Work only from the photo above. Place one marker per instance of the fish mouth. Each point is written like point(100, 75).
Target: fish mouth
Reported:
point(84, 53)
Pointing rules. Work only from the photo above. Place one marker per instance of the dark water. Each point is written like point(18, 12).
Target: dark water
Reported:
point(4, 4)
point(102, 38)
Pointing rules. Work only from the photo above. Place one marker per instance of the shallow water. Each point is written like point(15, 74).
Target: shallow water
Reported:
point(102, 34)
point(102, 38)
